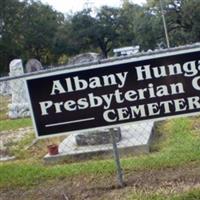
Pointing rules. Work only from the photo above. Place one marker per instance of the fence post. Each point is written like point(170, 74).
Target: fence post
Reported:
point(117, 159)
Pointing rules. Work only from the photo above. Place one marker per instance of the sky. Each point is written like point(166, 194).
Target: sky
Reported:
point(66, 6)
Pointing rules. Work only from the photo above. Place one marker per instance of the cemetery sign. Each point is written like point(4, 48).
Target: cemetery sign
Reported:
point(106, 95)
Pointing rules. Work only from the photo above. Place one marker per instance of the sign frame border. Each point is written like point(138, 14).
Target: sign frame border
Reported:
point(102, 65)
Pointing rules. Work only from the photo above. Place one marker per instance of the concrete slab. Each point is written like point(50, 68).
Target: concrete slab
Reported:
point(136, 139)
point(7, 158)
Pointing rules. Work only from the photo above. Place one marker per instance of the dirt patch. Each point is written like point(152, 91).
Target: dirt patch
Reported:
point(166, 181)
point(13, 136)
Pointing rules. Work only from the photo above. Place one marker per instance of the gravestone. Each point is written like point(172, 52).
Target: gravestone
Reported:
point(136, 139)
point(19, 106)
point(97, 137)
point(5, 88)
point(33, 65)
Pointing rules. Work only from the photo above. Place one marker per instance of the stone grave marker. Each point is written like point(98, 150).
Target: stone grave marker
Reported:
point(19, 106)
point(33, 65)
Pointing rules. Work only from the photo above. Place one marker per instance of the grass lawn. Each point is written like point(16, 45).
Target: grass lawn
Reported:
point(178, 143)
point(14, 124)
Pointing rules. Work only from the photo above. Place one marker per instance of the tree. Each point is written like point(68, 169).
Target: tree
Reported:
point(10, 31)
point(182, 18)
point(27, 30)
point(99, 32)
point(106, 29)
point(31, 29)
point(139, 27)
point(65, 43)
point(83, 27)
point(40, 26)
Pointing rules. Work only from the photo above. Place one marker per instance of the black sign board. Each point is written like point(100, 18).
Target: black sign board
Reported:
point(119, 92)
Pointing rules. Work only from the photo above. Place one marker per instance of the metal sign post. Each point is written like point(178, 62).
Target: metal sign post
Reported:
point(117, 159)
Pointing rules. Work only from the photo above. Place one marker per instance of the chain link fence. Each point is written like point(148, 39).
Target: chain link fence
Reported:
point(16, 124)
point(18, 138)
point(131, 139)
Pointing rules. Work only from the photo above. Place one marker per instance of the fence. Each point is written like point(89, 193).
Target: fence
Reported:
point(130, 140)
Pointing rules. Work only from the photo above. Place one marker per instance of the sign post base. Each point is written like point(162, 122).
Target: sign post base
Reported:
point(117, 159)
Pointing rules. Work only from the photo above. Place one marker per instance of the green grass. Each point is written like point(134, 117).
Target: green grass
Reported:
point(29, 174)
point(177, 145)
point(14, 124)
point(19, 150)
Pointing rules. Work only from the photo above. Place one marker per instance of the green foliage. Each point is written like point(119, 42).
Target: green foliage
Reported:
point(96, 32)
point(10, 31)
point(39, 28)
point(140, 25)
point(31, 29)
point(106, 33)
point(182, 18)
point(26, 31)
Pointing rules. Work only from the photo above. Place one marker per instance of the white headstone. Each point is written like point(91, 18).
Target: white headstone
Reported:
point(19, 106)
point(5, 88)
point(33, 65)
